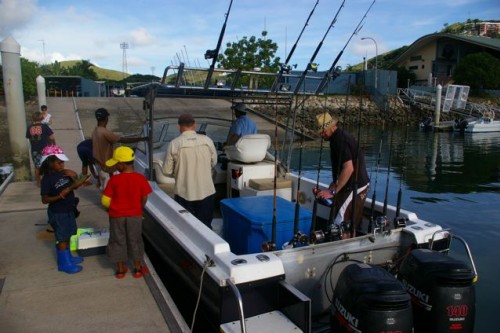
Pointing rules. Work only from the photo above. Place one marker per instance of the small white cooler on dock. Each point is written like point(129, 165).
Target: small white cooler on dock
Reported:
point(93, 243)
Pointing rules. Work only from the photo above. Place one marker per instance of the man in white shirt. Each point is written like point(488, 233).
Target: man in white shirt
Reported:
point(190, 158)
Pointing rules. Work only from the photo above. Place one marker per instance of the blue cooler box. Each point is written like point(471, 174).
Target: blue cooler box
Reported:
point(248, 222)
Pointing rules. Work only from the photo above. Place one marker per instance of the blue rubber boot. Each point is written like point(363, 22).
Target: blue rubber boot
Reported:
point(75, 260)
point(64, 263)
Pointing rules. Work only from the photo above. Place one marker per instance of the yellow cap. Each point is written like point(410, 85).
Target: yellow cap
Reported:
point(121, 154)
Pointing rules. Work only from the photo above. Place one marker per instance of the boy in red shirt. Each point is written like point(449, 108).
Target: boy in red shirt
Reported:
point(125, 196)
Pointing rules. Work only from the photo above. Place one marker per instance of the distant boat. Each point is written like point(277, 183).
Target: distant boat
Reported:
point(486, 123)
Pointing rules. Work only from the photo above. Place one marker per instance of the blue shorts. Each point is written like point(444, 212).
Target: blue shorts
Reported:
point(64, 225)
point(36, 156)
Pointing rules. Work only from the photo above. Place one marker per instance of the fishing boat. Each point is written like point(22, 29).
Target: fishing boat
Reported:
point(486, 123)
point(273, 261)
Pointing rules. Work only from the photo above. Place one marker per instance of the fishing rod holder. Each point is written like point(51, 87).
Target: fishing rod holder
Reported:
point(400, 222)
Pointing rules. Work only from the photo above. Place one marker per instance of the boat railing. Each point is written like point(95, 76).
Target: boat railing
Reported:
point(463, 242)
point(239, 299)
point(255, 81)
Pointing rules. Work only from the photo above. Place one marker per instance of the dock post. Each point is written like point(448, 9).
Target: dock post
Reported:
point(14, 101)
point(437, 109)
point(40, 89)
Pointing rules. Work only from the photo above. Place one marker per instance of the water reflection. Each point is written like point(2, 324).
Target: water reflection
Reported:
point(443, 162)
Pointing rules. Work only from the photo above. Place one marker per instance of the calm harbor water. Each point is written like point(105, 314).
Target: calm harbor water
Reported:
point(447, 178)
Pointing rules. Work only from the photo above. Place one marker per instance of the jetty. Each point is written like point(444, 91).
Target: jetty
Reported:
point(36, 297)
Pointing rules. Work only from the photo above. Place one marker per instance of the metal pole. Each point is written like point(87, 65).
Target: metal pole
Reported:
point(14, 101)
point(376, 58)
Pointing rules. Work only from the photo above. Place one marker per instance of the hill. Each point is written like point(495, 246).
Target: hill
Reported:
point(102, 73)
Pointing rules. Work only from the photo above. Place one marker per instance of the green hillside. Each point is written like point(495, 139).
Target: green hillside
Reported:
point(102, 73)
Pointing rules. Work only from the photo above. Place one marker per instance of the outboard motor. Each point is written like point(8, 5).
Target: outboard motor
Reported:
point(442, 292)
point(369, 299)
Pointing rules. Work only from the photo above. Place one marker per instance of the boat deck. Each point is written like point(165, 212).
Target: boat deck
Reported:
point(36, 297)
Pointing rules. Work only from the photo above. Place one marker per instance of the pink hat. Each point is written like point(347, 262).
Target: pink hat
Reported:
point(53, 150)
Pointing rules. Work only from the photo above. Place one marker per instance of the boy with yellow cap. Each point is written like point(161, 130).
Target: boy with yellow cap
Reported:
point(125, 196)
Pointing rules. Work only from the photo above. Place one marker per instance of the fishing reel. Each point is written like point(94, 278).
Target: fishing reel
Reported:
point(210, 54)
point(332, 233)
point(300, 239)
point(268, 246)
point(382, 224)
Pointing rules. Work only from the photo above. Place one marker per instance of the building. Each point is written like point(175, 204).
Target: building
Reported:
point(434, 57)
point(486, 28)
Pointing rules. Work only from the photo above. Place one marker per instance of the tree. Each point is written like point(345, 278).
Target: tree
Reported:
point(251, 53)
point(84, 69)
point(29, 71)
point(479, 71)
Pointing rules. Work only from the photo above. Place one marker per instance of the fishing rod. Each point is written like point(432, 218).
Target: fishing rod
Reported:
point(356, 167)
point(271, 245)
point(333, 68)
point(285, 67)
point(298, 237)
point(333, 209)
point(374, 195)
point(397, 219)
point(384, 210)
point(312, 233)
point(214, 54)
point(310, 64)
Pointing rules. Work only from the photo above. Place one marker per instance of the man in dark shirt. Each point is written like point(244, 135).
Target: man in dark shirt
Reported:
point(348, 172)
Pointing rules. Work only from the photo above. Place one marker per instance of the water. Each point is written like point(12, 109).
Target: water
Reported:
point(448, 178)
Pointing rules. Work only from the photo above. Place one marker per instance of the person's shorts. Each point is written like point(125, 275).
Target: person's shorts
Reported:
point(64, 224)
point(36, 156)
point(85, 156)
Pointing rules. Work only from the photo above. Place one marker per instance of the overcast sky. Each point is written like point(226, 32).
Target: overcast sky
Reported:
point(158, 31)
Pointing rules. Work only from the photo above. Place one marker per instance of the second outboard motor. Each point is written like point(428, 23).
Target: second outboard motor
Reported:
point(369, 299)
point(442, 292)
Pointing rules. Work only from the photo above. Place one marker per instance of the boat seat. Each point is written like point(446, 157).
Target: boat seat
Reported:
point(161, 178)
point(250, 148)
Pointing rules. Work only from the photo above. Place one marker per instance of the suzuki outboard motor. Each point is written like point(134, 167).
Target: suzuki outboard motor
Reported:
point(369, 299)
point(442, 292)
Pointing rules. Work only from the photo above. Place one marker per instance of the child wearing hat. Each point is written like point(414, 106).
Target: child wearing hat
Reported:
point(57, 190)
point(125, 196)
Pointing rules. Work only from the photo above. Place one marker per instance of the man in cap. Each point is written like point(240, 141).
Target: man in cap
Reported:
point(348, 173)
point(190, 159)
point(103, 140)
point(243, 125)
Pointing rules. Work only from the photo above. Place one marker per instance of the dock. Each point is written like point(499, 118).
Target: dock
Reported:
point(36, 297)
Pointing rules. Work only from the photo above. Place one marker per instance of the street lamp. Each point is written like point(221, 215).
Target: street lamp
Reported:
point(376, 56)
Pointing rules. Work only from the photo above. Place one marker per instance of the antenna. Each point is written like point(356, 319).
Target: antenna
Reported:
point(124, 47)
point(43, 46)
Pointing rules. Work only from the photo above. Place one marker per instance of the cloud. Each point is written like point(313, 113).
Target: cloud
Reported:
point(141, 37)
point(15, 14)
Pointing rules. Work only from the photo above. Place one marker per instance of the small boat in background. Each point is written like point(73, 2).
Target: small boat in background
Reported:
point(486, 123)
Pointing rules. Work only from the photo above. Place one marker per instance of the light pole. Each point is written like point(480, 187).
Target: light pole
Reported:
point(376, 56)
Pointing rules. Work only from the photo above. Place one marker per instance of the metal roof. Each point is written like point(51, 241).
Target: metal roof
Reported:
point(491, 43)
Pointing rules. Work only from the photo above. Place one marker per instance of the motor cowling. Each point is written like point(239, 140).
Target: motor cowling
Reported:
point(442, 292)
point(369, 299)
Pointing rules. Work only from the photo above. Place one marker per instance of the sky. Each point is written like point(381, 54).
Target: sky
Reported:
point(160, 32)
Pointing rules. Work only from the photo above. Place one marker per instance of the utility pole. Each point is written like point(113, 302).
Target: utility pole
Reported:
point(124, 47)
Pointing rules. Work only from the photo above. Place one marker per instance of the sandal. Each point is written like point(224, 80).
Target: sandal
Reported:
point(138, 273)
point(121, 275)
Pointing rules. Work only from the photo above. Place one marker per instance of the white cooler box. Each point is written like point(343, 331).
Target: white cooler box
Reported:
point(93, 243)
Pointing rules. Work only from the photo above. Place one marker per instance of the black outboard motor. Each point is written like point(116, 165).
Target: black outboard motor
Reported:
point(369, 299)
point(442, 292)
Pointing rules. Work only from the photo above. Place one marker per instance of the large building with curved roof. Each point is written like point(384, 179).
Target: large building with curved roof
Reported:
point(434, 57)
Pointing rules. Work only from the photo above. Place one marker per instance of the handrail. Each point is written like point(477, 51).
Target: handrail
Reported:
point(240, 304)
point(464, 243)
